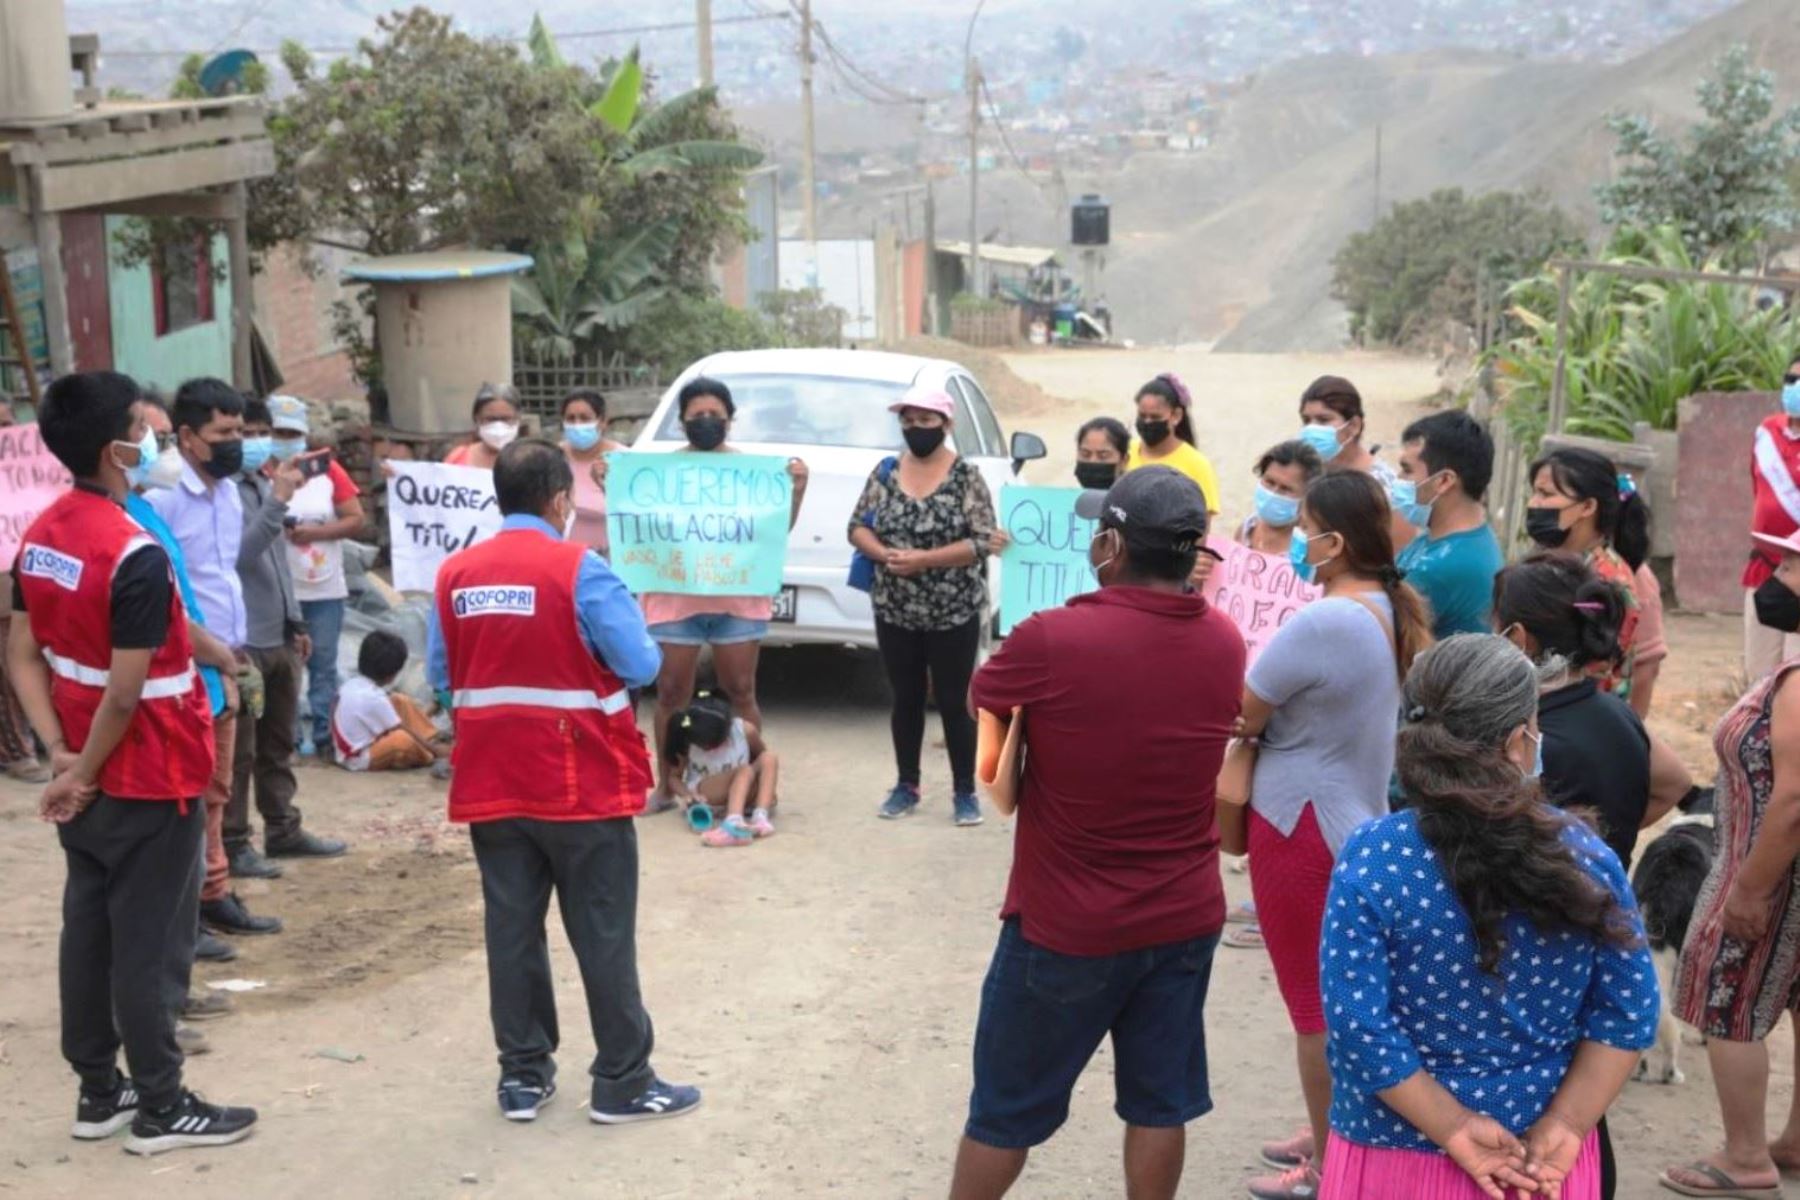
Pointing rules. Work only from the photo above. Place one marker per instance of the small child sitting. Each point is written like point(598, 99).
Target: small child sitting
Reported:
point(720, 760)
point(377, 730)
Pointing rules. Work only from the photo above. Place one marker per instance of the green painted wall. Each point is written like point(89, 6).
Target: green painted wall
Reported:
point(164, 362)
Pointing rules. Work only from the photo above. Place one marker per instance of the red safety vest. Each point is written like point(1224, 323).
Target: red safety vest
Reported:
point(66, 563)
point(543, 729)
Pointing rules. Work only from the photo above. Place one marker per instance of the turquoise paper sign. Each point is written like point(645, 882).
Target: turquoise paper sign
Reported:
point(713, 524)
point(1047, 561)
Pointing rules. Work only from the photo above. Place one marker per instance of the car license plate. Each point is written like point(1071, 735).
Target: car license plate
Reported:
point(787, 605)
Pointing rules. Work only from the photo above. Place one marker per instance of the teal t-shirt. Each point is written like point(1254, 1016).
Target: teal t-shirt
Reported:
point(1455, 574)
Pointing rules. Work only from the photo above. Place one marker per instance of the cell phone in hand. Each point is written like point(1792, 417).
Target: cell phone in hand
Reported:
point(313, 465)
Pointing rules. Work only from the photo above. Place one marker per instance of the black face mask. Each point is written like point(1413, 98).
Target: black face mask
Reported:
point(705, 433)
point(227, 459)
point(1096, 475)
point(1777, 606)
point(1154, 433)
point(923, 441)
point(1545, 527)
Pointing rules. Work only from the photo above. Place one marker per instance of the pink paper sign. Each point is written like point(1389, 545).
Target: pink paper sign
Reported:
point(30, 480)
point(1258, 591)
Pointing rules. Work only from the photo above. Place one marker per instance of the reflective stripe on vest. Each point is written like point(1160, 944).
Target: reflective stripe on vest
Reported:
point(565, 698)
point(161, 688)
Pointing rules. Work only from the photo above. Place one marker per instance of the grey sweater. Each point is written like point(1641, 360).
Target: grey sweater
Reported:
point(272, 612)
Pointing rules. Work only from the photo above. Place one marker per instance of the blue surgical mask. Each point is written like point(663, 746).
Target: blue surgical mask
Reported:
point(139, 476)
point(1323, 438)
point(1303, 570)
point(1272, 508)
point(582, 437)
point(1790, 399)
point(1537, 765)
point(1404, 496)
point(282, 449)
point(257, 451)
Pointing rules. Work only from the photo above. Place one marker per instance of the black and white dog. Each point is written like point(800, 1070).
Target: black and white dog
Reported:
point(1667, 883)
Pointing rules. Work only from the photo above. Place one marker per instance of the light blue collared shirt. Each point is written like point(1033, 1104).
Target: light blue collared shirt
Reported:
point(207, 518)
point(611, 622)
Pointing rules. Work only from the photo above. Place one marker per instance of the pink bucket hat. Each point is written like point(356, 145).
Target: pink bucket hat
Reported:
point(928, 399)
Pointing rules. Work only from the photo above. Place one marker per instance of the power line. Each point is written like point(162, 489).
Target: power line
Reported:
point(619, 31)
point(1017, 162)
point(845, 63)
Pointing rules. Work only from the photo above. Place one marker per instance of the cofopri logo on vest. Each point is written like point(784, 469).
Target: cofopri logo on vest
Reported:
point(41, 562)
point(495, 600)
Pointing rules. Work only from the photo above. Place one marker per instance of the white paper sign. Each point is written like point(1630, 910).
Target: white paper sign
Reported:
point(434, 510)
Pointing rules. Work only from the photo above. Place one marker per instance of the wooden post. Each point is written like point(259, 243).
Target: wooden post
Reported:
point(703, 35)
point(237, 236)
point(46, 228)
point(1559, 398)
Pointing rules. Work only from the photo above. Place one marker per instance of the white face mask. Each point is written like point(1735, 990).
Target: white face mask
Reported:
point(165, 472)
point(498, 435)
point(569, 521)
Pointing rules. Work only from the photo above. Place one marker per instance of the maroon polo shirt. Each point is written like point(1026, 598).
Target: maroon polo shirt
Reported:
point(1129, 697)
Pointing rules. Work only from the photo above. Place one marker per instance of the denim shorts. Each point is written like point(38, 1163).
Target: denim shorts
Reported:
point(709, 629)
point(1043, 1015)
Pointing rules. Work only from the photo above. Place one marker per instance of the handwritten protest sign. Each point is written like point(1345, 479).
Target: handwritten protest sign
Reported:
point(30, 479)
point(699, 524)
point(434, 510)
point(1258, 591)
point(1047, 562)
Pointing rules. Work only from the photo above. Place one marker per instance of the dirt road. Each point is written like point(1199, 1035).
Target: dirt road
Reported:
point(821, 986)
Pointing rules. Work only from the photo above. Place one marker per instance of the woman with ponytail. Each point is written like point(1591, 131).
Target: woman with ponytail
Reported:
point(1165, 427)
point(1485, 969)
point(1582, 504)
point(1320, 708)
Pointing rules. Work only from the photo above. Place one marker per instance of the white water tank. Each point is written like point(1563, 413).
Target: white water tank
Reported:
point(35, 72)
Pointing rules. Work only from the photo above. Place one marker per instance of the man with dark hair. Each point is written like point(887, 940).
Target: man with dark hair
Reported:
point(1115, 903)
point(105, 670)
point(539, 644)
point(1446, 461)
point(276, 640)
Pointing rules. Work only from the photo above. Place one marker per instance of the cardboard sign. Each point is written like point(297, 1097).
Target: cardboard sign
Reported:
point(30, 480)
point(699, 524)
point(1259, 592)
point(434, 510)
point(1047, 562)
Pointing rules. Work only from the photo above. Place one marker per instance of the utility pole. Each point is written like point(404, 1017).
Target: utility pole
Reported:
point(703, 33)
point(808, 169)
point(973, 71)
point(1377, 220)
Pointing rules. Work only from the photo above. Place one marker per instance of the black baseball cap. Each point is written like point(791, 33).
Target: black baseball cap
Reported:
point(1156, 508)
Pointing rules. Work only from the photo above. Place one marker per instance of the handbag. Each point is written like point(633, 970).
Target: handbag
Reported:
point(862, 567)
point(1000, 758)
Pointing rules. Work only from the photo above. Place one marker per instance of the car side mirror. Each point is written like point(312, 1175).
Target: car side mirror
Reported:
point(1027, 447)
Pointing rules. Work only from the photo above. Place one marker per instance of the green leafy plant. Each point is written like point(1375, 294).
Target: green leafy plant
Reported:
point(577, 288)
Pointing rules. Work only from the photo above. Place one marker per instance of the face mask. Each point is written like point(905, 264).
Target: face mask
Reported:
point(1790, 399)
point(1274, 509)
point(1153, 433)
point(1537, 763)
point(705, 433)
point(923, 441)
point(1104, 563)
point(1545, 527)
point(164, 473)
point(498, 434)
point(139, 476)
point(1322, 438)
point(282, 449)
point(1096, 476)
point(1777, 606)
point(1303, 570)
point(584, 436)
point(569, 521)
point(1404, 496)
point(227, 459)
point(257, 451)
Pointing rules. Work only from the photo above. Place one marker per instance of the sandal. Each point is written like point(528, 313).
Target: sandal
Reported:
point(732, 833)
point(1244, 937)
point(1242, 914)
point(1721, 1185)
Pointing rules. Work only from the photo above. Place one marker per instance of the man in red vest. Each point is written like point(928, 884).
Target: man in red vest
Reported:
point(105, 671)
point(538, 644)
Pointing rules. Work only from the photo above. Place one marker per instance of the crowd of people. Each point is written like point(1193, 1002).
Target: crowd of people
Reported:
point(1438, 768)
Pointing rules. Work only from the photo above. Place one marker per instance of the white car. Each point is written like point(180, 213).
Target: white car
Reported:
point(830, 408)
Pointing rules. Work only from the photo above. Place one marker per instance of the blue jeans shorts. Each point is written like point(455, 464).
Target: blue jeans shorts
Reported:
point(1043, 1015)
point(709, 629)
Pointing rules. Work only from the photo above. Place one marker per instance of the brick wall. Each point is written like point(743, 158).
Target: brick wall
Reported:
point(1713, 497)
point(294, 313)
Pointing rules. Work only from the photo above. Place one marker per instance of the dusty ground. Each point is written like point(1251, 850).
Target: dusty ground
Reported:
point(821, 987)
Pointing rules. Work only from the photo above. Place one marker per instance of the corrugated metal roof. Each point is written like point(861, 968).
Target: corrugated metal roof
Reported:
point(1012, 256)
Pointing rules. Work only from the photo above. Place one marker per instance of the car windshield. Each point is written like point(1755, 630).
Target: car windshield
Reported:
point(806, 410)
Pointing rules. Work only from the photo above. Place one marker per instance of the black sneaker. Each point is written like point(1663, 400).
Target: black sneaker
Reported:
point(204, 1006)
point(520, 1099)
point(227, 914)
point(99, 1117)
point(659, 1101)
point(208, 948)
point(304, 845)
point(190, 1121)
point(248, 863)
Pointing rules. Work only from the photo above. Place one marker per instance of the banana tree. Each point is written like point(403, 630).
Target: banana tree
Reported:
point(581, 286)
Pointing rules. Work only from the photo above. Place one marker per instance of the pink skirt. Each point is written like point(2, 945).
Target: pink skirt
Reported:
point(1356, 1172)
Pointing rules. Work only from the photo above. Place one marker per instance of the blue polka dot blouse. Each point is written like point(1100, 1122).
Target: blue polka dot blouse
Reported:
point(1404, 990)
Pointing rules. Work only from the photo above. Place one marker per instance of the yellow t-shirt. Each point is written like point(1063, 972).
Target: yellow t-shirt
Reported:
point(1188, 461)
